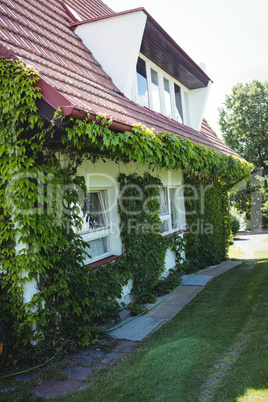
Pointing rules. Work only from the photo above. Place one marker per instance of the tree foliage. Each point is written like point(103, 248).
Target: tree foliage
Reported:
point(244, 121)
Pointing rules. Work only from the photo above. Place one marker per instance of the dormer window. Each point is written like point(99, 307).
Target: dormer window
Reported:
point(154, 72)
point(158, 91)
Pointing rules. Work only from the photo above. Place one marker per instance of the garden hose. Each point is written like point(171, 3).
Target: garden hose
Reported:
point(117, 326)
point(40, 365)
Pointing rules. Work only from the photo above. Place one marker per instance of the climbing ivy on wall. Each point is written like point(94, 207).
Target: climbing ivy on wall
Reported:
point(36, 215)
point(147, 147)
point(144, 246)
point(208, 223)
point(38, 239)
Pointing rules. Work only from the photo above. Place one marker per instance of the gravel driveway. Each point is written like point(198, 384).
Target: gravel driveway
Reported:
point(252, 244)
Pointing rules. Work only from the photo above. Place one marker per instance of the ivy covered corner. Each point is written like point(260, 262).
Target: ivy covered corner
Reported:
point(98, 210)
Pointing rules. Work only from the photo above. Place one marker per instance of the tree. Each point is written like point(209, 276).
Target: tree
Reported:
point(244, 124)
point(244, 121)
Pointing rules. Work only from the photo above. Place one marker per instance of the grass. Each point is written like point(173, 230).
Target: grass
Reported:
point(215, 349)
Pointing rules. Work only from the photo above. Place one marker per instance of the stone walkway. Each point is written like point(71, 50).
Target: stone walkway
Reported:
point(79, 368)
point(80, 365)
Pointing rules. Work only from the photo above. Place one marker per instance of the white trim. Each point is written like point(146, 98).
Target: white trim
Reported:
point(167, 216)
point(164, 73)
point(95, 234)
point(90, 235)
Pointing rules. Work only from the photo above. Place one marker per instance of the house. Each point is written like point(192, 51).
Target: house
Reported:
point(125, 69)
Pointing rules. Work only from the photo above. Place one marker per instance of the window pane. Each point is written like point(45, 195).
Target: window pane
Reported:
point(174, 209)
point(98, 247)
point(179, 114)
point(142, 83)
point(164, 226)
point(167, 97)
point(95, 213)
point(186, 102)
point(155, 91)
point(163, 201)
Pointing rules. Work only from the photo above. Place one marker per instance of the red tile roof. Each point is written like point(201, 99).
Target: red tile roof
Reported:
point(218, 145)
point(38, 33)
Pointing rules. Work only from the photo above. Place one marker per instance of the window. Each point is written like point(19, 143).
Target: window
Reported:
point(178, 104)
point(155, 91)
point(96, 227)
point(159, 91)
point(98, 247)
point(142, 83)
point(95, 211)
point(167, 98)
point(169, 212)
point(174, 209)
point(164, 210)
point(186, 100)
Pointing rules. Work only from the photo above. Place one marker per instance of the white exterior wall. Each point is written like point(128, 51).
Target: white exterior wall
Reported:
point(100, 176)
point(115, 42)
point(104, 175)
point(197, 103)
point(30, 287)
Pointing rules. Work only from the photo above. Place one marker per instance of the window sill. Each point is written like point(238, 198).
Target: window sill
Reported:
point(174, 233)
point(103, 261)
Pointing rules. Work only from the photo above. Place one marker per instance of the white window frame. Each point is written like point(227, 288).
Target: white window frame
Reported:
point(166, 217)
point(90, 235)
point(161, 75)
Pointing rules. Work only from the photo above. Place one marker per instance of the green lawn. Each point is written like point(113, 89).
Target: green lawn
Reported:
point(215, 349)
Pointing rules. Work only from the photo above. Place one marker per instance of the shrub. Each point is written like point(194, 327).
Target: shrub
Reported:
point(235, 224)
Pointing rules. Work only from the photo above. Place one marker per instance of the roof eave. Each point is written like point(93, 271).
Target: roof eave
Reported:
point(105, 17)
point(56, 100)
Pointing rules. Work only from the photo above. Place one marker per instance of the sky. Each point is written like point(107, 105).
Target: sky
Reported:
point(229, 36)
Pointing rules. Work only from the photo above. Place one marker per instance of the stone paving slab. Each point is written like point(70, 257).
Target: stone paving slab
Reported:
point(122, 344)
point(25, 377)
point(137, 329)
point(84, 359)
point(221, 268)
point(6, 389)
point(95, 352)
point(174, 303)
point(184, 294)
point(197, 280)
point(54, 389)
point(77, 372)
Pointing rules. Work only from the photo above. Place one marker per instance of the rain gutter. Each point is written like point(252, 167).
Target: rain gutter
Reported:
point(56, 100)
